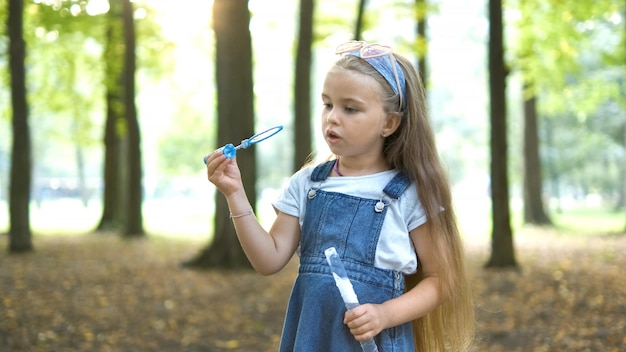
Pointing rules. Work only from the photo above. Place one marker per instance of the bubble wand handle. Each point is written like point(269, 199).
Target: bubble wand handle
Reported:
point(230, 151)
point(346, 290)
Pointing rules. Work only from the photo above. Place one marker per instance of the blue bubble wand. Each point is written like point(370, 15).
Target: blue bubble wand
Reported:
point(230, 150)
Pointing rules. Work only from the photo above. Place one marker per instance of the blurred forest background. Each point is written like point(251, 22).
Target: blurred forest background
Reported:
point(108, 106)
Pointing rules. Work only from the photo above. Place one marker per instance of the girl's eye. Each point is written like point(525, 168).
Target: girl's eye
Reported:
point(327, 106)
point(350, 109)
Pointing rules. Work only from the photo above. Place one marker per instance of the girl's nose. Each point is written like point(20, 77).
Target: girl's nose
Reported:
point(331, 117)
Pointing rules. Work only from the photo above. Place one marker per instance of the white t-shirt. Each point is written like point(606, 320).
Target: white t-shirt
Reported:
point(395, 249)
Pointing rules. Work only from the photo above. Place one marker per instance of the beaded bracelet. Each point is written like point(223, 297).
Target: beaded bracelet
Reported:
point(249, 212)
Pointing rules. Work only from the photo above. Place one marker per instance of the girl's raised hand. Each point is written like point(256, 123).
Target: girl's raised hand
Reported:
point(223, 172)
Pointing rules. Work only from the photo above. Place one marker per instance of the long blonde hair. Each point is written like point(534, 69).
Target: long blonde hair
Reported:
point(412, 149)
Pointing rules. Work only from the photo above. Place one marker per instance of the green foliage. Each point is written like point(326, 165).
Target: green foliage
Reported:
point(65, 16)
point(66, 41)
point(582, 221)
point(330, 20)
point(180, 150)
point(554, 44)
point(412, 11)
point(64, 81)
point(4, 77)
point(581, 159)
point(5, 104)
point(545, 48)
point(3, 14)
point(154, 53)
point(571, 57)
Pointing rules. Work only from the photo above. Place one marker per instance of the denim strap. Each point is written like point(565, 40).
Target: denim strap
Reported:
point(321, 171)
point(397, 185)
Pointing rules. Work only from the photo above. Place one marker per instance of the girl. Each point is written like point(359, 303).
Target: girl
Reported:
point(383, 202)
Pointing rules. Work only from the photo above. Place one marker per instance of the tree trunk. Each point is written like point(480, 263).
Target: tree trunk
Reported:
point(421, 19)
point(358, 28)
point(624, 174)
point(111, 218)
point(502, 251)
point(20, 236)
point(83, 189)
point(553, 175)
point(133, 225)
point(534, 212)
point(302, 102)
point(235, 109)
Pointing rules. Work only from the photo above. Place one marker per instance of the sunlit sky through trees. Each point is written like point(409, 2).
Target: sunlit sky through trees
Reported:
point(457, 68)
point(185, 98)
point(456, 61)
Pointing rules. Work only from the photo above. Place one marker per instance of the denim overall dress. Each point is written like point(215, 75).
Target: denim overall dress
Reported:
point(314, 319)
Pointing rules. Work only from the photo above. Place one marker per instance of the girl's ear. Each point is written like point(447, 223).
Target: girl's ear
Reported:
point(392, 123)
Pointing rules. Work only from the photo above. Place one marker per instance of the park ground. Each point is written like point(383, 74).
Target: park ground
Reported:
point(97, 292)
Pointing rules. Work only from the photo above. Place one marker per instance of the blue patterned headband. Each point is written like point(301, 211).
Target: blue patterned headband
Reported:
point(381, 58)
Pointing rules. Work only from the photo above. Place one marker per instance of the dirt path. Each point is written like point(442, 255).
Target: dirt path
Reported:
point(99, 293)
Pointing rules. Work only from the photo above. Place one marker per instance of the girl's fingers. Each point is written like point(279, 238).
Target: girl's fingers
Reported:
point(213, 162)
point(218, 151)
point(210, 155)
